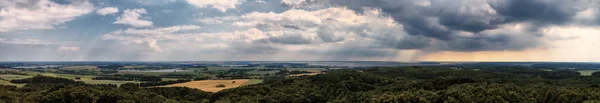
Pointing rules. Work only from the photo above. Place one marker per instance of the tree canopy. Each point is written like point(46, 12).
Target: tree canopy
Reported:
point(397, 84)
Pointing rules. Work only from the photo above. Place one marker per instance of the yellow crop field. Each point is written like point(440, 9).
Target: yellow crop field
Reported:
point(210, 85)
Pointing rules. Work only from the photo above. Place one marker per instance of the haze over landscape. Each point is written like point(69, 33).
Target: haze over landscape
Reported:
point(300, 30)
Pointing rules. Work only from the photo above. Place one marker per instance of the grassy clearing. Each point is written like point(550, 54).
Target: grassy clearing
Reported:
point(210, 85)
point(3, 82)
point(7, 77)
point(587, 72)
point(12, 76)
point(253, 81)
point(133, 67)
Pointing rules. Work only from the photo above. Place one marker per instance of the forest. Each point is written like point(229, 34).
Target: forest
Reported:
point(414, 84)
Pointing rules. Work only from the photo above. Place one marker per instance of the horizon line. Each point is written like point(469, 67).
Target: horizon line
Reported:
point(322, 61)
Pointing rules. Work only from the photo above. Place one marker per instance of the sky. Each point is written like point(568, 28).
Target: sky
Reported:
point(300, 30)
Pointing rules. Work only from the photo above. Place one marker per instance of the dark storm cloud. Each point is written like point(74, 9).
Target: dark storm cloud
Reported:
point(543, 11)
point(491, 43)
point(444, 20)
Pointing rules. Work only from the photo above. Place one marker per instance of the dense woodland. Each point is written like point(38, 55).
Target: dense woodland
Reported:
point(376, 85)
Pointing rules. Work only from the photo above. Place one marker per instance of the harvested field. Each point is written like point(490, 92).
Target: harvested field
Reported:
point(210, 85)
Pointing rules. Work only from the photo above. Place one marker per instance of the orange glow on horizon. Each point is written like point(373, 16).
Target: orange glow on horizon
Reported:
point(497, 56)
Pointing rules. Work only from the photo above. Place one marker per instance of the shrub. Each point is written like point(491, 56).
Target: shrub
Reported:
point(596, 74)
point(220, 86)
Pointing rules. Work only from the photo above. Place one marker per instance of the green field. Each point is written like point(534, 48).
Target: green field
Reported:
point(7, 77)
point(12, 76)
point(84, 78)
point(133, 67)
point(2, 82)
point(587, 72)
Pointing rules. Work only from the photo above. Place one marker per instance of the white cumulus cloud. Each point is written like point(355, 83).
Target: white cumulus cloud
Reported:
point(133, 17)
point(107, 10)
point(39, 14)
point(292, 2)
point(221, 5)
